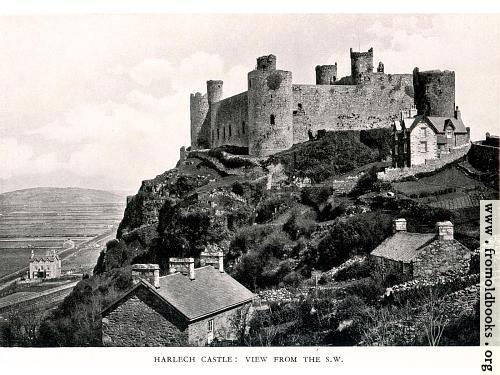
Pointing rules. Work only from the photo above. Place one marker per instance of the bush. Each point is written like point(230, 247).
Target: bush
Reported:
point(354, 271)
point(359, 234)
point(299, 225)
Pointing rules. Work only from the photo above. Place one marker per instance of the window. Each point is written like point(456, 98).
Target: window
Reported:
point(423, 146)
point(218, 133)
point(299, 106)
point(243, 127)
point(272, 120)
point(224, 130)
point(211, 325)
point(449, 133)
point(423, 132)
point(230, 130)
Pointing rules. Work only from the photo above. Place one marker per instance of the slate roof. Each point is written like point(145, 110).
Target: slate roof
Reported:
point(403, 246)
point(47, 258)
point(440, 122)
point(436, 122)
point(209, 292)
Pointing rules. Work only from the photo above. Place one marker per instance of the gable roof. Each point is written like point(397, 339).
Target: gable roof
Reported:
point(437, 123)
point(403, 246)
point(440, 122)
point(47, 258)
point(210, 292)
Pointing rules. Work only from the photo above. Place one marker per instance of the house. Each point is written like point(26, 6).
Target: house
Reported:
point(45, 267)
point(419, 139)
point(406, 256)
point(187, 307)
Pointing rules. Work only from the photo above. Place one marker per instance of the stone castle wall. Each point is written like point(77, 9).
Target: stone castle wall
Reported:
point(229, 119)
point(374, 104)
point(269, 111)
point(435, 92)
point(198, 110)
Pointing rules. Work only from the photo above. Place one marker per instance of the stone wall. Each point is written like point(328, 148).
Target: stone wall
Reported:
point(394, 174)
point(224, 327)
point(143, 320)
point(374, 104)
point(483, 157)
point(269, 111)
point(198, 111)
point(229, 121)
point(441, 258)
point(419, 153)
point(434, 92)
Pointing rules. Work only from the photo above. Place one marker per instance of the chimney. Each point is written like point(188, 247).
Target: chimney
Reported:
point(191, 269)
point(215, 259)
point(399, 225)
point(458, 115)
point(221, 261)
point(182, 265)
point(413, 111)
point(444, 230)
point(147, 272)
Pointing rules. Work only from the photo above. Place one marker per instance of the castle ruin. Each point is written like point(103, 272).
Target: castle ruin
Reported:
point(275, 113)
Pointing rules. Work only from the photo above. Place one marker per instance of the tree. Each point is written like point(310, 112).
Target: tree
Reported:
point(433, 319)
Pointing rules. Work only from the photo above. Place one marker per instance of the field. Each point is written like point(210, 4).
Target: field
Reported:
point(450, 188)
point(42, 225)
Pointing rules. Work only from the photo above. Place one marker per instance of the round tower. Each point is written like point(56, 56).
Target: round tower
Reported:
point(198, 109)
point(269, 109)
point(361, 62)
point(326, 74)
point(434, 92)
point(214, 91)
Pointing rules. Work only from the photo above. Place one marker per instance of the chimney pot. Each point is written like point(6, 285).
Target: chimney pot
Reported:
point(191, 269)
point(221, 262)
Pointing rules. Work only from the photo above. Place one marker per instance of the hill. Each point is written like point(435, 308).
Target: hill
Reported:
point(274, 232)
point(54, 195)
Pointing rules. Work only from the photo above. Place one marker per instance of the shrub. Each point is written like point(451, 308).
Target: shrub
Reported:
point(354, 271)
point(299, 225)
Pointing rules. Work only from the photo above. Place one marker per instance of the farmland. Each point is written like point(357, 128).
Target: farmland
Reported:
point(65, 220)
point(450, 188)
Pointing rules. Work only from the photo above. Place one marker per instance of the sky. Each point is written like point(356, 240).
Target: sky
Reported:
point(102, 101)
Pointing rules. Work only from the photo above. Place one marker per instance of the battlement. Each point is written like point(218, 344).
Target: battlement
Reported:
point(266, 62)
point(354, 55)
point(276, 113)
point(326, 74)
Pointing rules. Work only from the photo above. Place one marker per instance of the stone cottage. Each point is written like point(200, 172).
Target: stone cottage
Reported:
point(187, 307)
point(419, 139)
point(421, 255)
point(44, 267)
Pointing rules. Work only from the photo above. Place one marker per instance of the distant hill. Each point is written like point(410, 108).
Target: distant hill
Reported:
point(48, 195)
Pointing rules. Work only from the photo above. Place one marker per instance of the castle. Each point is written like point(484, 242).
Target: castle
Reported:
point(276, 113)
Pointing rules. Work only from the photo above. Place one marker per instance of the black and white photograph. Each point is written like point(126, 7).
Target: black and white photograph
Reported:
point(256, 180)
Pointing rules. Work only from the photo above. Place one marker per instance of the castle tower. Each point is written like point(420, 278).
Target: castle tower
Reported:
point(361, 62)
point(198, 108)
point(326, 74)
point(214, 91)
point(434, 92)
point(269, 108)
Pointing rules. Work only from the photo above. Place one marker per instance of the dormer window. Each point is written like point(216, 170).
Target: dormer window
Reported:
point(449, 133)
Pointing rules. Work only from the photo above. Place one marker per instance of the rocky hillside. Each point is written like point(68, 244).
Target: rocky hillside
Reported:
point(317, 206)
